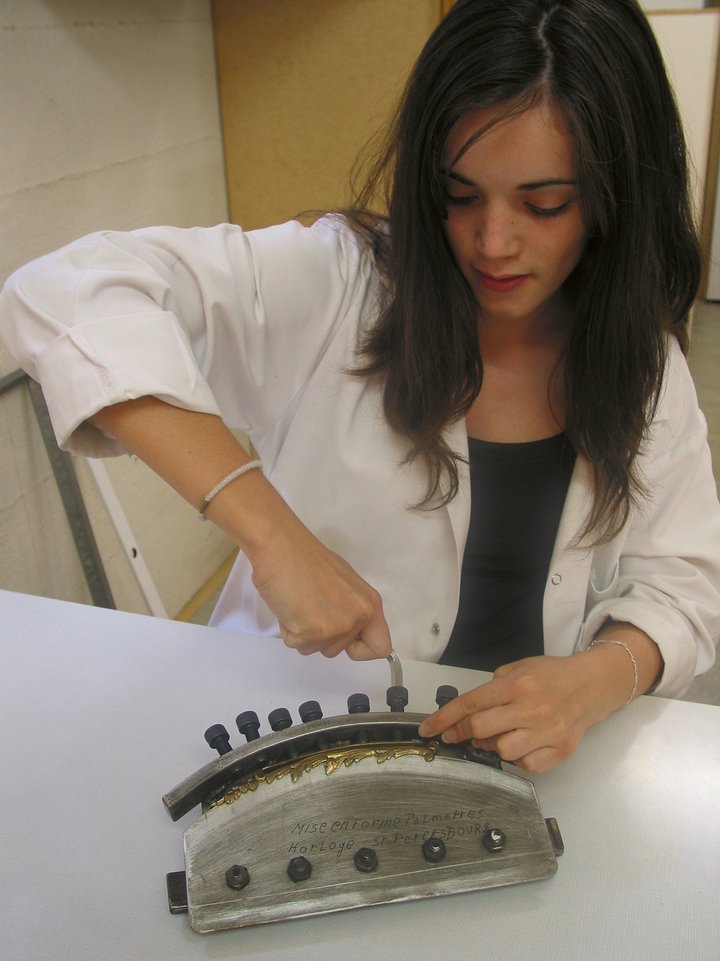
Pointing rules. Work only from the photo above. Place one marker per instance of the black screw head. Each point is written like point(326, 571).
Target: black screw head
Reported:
point(397, 698)
point(279, 719)
point(494, 840)
point(358, 704)
point(444, 694)
point(310, 711)
point(237, 877)
point(480, 756)
point(434, 850)
point(248, 724)
point(299, 869)
point(218, 738)
point(365, 859)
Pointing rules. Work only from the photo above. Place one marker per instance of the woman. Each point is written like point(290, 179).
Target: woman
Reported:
point(513, 328)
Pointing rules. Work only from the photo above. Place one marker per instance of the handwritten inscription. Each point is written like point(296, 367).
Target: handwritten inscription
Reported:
point(316, 837)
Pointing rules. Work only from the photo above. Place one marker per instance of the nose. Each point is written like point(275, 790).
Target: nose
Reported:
point(496, 233)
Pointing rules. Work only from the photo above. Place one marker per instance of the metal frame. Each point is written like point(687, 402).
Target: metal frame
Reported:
point(76, 512)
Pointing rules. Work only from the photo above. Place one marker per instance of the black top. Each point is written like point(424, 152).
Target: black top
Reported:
point(517, 496)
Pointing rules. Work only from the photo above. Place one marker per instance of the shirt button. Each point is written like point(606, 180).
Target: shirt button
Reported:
point(435, 628)
point(556, 579)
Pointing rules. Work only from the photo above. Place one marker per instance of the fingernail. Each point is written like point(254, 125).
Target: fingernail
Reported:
point(449, 737)
point(422, 730)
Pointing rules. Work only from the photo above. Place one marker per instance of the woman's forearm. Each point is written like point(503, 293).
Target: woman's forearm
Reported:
point(193, 452)
point(318, 599)
point(630, 653)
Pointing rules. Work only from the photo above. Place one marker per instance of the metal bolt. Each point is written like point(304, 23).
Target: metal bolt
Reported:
point(494, 840)
point(365, 859)
point(248, 724)
point(280, 719)
point(358, 704)
point(397, 698)
point(218, 739)
point(310, 711)
point(434, 849)
point(237, 877)
point(299, 869)
point(444, 694)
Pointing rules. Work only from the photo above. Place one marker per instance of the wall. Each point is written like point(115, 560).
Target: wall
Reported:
point(689, 42)
point(303, 86)
point(651, 6)
point(110, 119)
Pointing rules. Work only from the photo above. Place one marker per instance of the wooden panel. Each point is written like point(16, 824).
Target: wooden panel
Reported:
point(303, 85)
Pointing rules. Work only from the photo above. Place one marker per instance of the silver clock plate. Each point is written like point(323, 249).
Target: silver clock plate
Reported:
point(342, 813)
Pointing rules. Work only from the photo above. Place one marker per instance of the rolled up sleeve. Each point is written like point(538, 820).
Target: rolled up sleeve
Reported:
point(215, 320)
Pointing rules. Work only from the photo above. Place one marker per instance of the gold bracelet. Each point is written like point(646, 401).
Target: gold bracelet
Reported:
point(228, 479)
point(623, 645)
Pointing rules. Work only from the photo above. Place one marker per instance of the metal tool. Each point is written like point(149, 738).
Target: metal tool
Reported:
point(396, 674)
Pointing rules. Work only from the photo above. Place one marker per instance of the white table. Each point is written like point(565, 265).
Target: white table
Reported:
point(104, 712)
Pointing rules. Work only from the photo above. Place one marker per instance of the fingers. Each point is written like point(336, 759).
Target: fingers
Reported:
point(454, 720)
point(537, 762)
point(306, 646)
point(321, 603)
point(367, 638)
point(373, 641)
point(529, 713)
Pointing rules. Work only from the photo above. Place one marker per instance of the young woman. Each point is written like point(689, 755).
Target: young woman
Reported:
point(478, 432)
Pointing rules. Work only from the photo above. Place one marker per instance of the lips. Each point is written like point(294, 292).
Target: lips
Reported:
point(502, 284)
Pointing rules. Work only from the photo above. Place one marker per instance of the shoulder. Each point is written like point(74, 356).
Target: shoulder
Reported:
point(329, 243)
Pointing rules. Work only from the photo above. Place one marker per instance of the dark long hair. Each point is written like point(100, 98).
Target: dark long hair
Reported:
point(597, 60)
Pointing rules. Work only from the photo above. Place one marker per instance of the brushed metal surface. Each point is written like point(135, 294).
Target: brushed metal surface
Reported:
point(388, 797)
point(396, 674)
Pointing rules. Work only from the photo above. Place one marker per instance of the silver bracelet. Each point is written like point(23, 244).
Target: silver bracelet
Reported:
point(623, 645)
point(233, 475)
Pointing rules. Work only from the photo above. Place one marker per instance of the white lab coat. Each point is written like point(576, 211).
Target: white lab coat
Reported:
point(262, 327)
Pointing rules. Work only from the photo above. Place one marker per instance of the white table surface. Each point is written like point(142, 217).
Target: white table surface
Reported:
point(102, 713)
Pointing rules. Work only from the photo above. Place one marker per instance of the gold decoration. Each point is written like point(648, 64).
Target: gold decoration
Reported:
point(331, 760)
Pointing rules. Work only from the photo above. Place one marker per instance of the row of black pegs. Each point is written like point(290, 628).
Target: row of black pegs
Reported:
point(248, 722)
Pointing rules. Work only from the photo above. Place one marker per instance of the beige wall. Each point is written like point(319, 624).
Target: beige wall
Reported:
point(303, 85)
point(109, 118)
point(689, 42)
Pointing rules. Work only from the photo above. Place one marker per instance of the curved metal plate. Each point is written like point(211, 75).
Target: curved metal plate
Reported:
point(325, 807)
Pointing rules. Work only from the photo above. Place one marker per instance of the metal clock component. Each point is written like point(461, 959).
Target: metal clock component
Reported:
point(342, 812)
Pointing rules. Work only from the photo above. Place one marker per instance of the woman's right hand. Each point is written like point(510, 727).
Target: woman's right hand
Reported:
point(318, 599)
point(321, 603)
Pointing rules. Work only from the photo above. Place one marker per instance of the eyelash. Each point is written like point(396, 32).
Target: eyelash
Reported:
point(549, 211)
point(543, 212)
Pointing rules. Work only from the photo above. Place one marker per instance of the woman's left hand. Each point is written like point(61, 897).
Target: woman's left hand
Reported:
point(534, 712)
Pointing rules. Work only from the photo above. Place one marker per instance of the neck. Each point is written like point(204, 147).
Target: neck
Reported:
point(547, 328)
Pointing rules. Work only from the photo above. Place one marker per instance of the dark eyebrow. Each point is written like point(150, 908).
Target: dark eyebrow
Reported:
point(539, 184)
point(454, 175)
point(534, 185)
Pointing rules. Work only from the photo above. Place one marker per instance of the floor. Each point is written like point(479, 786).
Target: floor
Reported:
point(704, 362)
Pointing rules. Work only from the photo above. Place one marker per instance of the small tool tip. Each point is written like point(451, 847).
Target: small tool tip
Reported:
point(396, 675)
